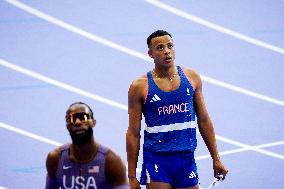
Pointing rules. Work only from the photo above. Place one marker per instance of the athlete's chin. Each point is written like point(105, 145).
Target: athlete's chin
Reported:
point(80, 132)
point(168, 63)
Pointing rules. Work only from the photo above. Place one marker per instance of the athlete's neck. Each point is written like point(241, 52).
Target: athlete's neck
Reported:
point(84, 153)
point(169, 73)
point(165, 71)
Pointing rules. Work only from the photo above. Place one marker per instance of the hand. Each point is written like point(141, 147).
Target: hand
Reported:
point(219, 169)
point(134, 183)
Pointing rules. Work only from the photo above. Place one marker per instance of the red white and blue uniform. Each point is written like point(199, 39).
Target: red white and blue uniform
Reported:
point(71, 175)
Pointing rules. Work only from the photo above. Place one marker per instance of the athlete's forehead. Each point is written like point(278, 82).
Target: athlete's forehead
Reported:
point(78, 108)
point(165, 39)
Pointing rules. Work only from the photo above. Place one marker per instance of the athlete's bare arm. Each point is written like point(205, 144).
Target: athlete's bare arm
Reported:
point(52, 161)
point(136, 94)
point(115, 170)
point(204, 122)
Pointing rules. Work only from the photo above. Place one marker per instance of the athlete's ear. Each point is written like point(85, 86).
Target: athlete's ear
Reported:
point(94, 123)
point(150, 53)
point(68, 126)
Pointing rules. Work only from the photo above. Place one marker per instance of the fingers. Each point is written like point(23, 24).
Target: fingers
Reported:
point(225, 172)
point(215, 173)
point(134, 184)
point(220, 172)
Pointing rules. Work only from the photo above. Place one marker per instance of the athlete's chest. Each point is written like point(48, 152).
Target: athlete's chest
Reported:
point(166, 85)
point(76, 176)
point(166, 103)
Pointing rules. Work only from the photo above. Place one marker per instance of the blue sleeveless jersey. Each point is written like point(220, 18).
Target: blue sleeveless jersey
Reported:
point(71, 175)
point(170, 118)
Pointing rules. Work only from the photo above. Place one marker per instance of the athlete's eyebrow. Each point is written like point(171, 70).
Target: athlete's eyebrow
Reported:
point(161, 45)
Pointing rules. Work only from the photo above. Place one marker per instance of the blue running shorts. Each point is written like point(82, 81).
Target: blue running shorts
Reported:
point(178, 169)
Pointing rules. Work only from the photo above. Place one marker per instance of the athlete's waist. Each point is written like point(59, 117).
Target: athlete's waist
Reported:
point(172, 141)
point(170, 153)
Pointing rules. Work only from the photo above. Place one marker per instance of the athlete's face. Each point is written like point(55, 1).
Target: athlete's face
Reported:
point(162, 50)
point(80, 124)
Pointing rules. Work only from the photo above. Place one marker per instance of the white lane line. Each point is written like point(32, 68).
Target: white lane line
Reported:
point(29, 134)
point(77, 30)
point(270, 144)
point(223, 153)
point(246, 147)
point(243, 148)
point(131, 52)
point(61, 84)
point(213, 26)
point(243, 91)
point(236, 143)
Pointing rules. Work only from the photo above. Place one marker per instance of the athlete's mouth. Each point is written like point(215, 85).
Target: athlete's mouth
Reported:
point(168, 58)
point(79, 130)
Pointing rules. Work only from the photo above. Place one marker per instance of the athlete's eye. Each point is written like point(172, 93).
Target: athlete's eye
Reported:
point(82, 116)
point(160, 47)
point(86, 117)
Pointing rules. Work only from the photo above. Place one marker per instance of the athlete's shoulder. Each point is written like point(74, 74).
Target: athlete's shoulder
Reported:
point(139, 85)
point(193, 76)
point(54, 154)
point(190, 72)
point(140, 81)
point(103, 149)
point(112, 157)
point(52, 161)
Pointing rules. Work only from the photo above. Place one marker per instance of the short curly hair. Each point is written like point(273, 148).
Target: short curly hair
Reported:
point(80, 103)
point(157, 33)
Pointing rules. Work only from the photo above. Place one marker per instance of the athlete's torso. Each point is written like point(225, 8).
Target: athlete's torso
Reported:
point(91, 175)
point(170, 117)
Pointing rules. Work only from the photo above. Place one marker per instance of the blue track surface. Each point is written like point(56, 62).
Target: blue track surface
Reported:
point(91, 51)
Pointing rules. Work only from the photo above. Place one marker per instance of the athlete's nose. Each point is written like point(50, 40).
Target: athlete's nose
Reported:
point(167, 51)
point(77, 121)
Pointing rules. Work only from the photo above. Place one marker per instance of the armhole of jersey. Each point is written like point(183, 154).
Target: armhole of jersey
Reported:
point(182, 69)
point(105, 163)
point(103, 149)
point(145, 98)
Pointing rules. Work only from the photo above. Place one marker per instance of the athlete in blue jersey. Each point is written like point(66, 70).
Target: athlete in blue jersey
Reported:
point(170, 98)
point(84, 163)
